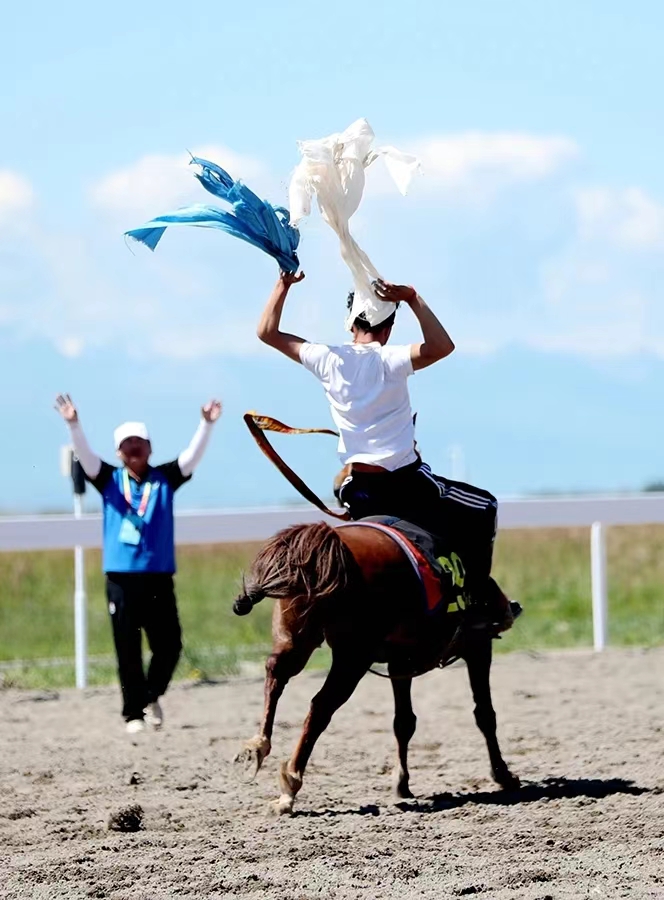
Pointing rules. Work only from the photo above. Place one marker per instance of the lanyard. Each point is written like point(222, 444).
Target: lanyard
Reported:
point(140, 512)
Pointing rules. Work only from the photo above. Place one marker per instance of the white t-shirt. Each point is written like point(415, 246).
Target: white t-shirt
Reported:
point(366, 385)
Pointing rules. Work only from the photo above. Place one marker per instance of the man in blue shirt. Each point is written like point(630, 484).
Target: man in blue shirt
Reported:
point(139, 553)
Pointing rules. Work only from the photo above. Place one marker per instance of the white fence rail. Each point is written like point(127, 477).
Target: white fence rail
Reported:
point(233, 526)
point(64, 532)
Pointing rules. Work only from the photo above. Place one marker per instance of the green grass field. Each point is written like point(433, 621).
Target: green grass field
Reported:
point(547, 570)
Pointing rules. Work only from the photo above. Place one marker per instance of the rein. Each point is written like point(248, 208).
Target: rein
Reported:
point(258, 425)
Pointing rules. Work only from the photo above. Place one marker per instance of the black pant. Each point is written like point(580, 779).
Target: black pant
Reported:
point(461, 517)
point(143, 602)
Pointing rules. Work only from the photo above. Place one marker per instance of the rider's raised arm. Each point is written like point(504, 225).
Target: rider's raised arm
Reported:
point(268, 328)
point(437, 343)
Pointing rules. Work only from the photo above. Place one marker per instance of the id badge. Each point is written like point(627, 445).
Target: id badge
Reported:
point(129, 533)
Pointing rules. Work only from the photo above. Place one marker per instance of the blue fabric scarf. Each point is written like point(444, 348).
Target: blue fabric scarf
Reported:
point(250, 218)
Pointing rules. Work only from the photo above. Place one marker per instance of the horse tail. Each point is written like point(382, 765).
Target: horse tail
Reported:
point(305, 563)
point(243, 604)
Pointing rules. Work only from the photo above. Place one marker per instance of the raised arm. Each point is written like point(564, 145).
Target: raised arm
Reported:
point(437, 343)
point(88, 459)
point(189, 459)
point(268, 327)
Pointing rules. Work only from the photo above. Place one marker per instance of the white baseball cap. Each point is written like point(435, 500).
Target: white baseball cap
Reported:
point(130, 429)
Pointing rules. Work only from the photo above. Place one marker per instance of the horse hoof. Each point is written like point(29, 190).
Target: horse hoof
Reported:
point(246, 764)
point(403, 792)
point(248, 761)
point(400, 782)
point(507, 781)
point(282, 807)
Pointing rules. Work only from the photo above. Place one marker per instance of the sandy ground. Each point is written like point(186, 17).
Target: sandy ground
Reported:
point(584, 732)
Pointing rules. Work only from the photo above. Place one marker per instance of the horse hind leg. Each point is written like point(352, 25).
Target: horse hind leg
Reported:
point(478, 660)
point(405, 721)
point(250, 758)
point(345, 674)
point(285, 661)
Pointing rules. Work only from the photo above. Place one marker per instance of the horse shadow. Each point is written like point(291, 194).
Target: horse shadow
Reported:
point(531, 792)
point(547, 789)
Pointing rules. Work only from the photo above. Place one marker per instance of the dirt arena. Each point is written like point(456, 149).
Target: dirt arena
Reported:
point(584, 732)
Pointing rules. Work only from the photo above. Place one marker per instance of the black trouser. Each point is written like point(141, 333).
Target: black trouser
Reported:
point(145, 602)
point(462, 517)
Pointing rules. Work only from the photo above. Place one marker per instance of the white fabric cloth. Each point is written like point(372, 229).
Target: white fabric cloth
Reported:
point(332, 169)
point(367, 389)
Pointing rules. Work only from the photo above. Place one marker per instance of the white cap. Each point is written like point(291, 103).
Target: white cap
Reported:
point(130, 429)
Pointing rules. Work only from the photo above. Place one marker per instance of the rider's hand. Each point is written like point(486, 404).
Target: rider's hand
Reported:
point(394, 293)
point(66, 408)
point(289, 278)
point(211, 411)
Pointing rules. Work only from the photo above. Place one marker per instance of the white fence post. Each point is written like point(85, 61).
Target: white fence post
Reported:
point(599, 584)
point(80, 606)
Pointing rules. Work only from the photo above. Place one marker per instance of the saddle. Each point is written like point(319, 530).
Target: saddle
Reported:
point(419, 547)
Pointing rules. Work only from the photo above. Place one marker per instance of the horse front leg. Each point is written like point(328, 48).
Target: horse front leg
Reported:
point(345, 674)
point(405, 721)
point(289, 656)
point(478, 660)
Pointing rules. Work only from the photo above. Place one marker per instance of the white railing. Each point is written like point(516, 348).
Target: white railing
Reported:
point(232, 526)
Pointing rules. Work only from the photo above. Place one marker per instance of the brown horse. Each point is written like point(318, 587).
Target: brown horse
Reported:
point(354, 588)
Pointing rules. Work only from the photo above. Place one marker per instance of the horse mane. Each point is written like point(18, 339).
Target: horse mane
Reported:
point(300, 561)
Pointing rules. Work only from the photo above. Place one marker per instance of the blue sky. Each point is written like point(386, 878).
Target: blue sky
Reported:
point(536, 232)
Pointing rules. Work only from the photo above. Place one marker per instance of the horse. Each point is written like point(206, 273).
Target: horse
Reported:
point(353, 587)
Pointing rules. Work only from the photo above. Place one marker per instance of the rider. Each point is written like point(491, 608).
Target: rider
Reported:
point(366, 385)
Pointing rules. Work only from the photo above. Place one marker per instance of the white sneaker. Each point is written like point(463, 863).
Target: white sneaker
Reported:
point(135, 726)
point(154, 717)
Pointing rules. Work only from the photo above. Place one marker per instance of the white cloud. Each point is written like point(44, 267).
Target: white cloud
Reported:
point(82, 289)
point(588, 284)
point(627, 218)
point(481, 163)
point(82, 293)
point(158, 183)
point(16, 195)
point(596, 325)
point(190, 341)
point(71, 347)
point(602, 296)
point(597, 295)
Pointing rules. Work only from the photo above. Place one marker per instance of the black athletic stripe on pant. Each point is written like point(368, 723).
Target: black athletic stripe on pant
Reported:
point(143, 602)
point(461, 516)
